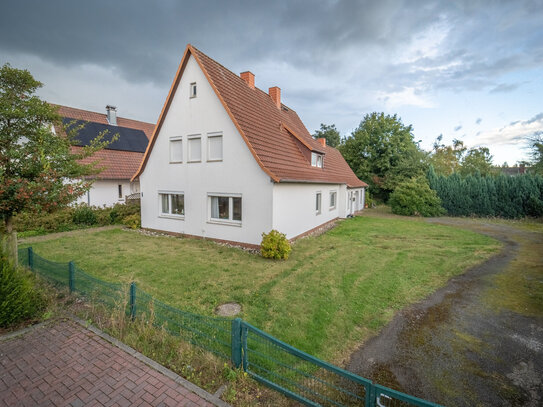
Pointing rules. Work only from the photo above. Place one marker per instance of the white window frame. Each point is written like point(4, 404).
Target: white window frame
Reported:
point(317, 159)
point(230, 221)
point(318, 203)
point(189, 150)
point(170, 215)
point(176, 139)
point(210, 136)
point(334, 193)
point(193, 90)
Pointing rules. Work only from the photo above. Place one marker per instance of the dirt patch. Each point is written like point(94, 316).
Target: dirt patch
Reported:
point(466, 344)
point(229, 309)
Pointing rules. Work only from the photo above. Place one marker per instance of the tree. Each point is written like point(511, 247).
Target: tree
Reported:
point(330, 133)
point(446, 159)
point(38, 170)
point(381, 151)
point(477, 160)
point(536, 153)
point(414, 197)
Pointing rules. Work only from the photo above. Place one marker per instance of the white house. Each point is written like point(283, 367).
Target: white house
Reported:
point(228, 161)
point(120, 159)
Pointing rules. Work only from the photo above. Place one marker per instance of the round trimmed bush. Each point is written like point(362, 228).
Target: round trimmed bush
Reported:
point(415, 198)
point(84, 215)
point(275, 245)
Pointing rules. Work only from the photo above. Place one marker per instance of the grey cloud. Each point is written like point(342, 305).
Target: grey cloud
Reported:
point(478, 121)
point(457, 128)
point(505, 87)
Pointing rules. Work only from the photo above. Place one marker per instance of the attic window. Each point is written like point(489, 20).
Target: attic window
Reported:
point(316, 160)
point(193, 90)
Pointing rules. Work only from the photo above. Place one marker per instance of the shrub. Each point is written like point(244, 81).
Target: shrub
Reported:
point(275, 245)
point(132, 221)
point(20, 298)
point(414, 197)
point(84, 215)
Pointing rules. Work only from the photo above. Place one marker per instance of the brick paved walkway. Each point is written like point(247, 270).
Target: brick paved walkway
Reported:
point(65, 364)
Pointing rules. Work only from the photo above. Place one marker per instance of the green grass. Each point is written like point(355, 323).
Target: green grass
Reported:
point(334, 291)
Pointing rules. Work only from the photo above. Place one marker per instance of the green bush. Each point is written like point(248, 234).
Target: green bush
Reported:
point(84, 215)
point(20, 299)
point(132, 221)
point(275, 245)
point(415, 198)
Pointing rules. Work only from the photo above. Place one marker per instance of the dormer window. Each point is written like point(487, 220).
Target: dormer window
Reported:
point(193, 90)
point(316, 160)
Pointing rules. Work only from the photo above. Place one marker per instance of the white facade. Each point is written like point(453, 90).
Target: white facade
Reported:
point(200, 155)
point(108, 192)
point(236, 175)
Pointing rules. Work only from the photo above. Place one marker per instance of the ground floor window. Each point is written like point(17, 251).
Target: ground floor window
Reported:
point(172, 204)
point(318, 200)
point(225, 208)
point(333, 199)
point(120, 191)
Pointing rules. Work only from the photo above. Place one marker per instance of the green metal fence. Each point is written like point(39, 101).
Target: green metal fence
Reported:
point(274, 363)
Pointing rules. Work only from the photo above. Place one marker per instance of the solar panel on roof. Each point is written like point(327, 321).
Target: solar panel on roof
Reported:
point(129, 139)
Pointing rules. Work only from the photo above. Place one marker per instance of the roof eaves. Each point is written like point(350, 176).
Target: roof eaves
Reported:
point(301, 139)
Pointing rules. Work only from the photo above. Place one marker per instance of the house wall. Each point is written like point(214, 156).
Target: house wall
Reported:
point(357, 197)
point(294, 206)
point(106, 192)
point(237, 173)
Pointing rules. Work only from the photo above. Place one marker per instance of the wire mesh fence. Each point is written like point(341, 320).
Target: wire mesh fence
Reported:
point(274, 363)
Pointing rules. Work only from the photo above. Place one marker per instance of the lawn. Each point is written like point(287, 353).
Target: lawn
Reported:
point(333, 292)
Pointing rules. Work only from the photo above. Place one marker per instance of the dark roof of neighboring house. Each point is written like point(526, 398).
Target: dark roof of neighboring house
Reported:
point(276, 137)
point(514, 170)
point(122, 158)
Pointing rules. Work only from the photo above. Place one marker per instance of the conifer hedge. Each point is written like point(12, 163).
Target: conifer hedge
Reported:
point(494, 195)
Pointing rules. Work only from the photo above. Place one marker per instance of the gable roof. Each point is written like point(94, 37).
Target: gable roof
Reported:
point(277, 138)
point(122, 158)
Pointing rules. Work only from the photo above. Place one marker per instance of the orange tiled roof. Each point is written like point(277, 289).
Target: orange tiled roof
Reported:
point(277, 138)
point(117, 164)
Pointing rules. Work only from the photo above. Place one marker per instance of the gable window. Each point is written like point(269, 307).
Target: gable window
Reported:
point(214, 147)
point(333, 199)
point(318, 199)
point(172, 204)
point(193, 90)
point(195, 148)
point(120, 190)
point(176, 150)
point(225, 208)
point(316, 160)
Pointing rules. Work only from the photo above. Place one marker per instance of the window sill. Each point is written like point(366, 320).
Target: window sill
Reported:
point(225, 222)
point(177, 217)
point(317, 213)
point(176, 162)
point(214, 161)
point(195, 161)
point(333, 208)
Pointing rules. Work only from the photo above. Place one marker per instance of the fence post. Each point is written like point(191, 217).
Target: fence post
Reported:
point(245, 355)
point(236, 342)
point(71, 281)
point(132, 301)
point(31, 258)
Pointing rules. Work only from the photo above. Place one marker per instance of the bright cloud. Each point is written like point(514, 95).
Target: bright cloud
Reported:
point(513, 133)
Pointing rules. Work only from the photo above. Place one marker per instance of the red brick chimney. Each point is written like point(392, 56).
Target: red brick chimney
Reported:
point(249, 78)
point(275, 94)
point(322, 140)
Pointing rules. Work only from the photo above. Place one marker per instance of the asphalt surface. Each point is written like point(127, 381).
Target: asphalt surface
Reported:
point(454, 348)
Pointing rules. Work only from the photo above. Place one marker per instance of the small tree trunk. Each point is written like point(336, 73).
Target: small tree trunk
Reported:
point(9, 241)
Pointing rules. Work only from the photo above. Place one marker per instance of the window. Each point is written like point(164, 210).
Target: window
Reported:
point(333, 198)
point(225, 208)
point(316, 160)
point(195, 149)
point(176, 150)
point(193, 90)
point(318, 203)
point(214, 147)
point(120, 189)
point(172, 204)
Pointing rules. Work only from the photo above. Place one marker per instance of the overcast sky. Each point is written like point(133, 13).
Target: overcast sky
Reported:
point(471, 70)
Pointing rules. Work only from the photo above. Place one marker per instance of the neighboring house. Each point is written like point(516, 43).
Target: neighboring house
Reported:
point(120, 159)
point(513, 171)
point(228, 161)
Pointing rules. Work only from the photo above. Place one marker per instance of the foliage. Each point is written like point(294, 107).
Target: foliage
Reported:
point(536, 153)
point(71, 218)
point(275, 245)
point(330, 133)
point(477, 160)
point(84, 215)
point(20, 298)
point(495, 195)
point(133, 221)
point(414, 197)
point(381, 151)
point(447, 160)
